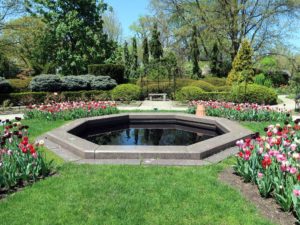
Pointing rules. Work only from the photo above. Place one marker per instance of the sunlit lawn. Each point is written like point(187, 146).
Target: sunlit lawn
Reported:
point(92, 194)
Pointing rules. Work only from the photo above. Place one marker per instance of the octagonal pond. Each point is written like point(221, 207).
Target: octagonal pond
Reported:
point(148, 133)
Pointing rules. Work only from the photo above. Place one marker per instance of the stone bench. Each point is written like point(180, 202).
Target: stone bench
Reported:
point(164, 95)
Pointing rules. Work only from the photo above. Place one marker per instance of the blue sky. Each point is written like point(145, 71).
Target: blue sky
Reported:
point(128, 11)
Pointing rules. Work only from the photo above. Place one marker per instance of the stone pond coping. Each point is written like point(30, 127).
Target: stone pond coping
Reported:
point(88, 150)
point(85, 150)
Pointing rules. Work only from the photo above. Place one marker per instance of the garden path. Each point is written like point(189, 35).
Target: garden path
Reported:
point(287, 103)
point(11, 116)
point(159, 105)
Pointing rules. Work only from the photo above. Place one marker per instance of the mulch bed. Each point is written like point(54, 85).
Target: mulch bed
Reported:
point(267, 207)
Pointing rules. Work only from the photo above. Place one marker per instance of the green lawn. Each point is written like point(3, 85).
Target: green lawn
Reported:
point(258, 126)
point(91, 194)
point(38, 127)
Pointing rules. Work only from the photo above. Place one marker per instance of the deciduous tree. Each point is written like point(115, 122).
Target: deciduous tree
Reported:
point(75, 29)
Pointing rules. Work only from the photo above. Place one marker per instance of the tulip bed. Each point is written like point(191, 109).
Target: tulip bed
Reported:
point(70, 110)
point(21, 162)
point(272, 163)
point(241, 112)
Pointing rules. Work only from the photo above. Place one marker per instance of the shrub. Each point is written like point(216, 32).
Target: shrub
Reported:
point(86, 95)
point(20, 85)
point(278, 78)
point(47, 83)
point(204, 85)
point(216, 81)
point(103, 83)
point(26, 98)
point(115, 71)
point(261, 79)
point(254, 94)
point(5, 86)
point(126, 92)
point(189, 93)
point(224, 88)
point(77, 83)
point(72, 83)
point(180, 83)
point(242, 65)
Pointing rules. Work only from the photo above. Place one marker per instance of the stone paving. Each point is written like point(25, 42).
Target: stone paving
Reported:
point(159, 105)
point(11, 116)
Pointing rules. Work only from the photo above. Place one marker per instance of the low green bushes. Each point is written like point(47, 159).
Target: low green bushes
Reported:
point(5, 86)
point(26, 98)
point(216, 81)
point(204, 85)
point(53, 83)
point(19, 85)
point(254, 94)
point(115, 71)
point(46, 82)
point(189, 93)
point(223, 88)
point(126, 92)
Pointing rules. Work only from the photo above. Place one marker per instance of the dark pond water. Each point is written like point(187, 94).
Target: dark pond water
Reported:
point(154, 134)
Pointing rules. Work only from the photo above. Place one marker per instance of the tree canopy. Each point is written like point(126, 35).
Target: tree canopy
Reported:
point(75, 29)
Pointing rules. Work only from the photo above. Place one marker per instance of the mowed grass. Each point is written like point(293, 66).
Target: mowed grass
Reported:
point(95, 194)
point(38, 127)
point(259, 126)
point(89, 194)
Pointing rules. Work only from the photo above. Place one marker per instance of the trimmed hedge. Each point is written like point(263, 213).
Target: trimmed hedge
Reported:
point(115, 71)
point(55, 83)
point(189, 93)
point(26, 98)
point(210, 96)
point(20, 85)
point(204, 85)
point(216, 81)
point(223, 88)
point(126, 92)
point(254, 94)
point(5, 86)
point(77, 83)
point(46, 82)
point(103, 83)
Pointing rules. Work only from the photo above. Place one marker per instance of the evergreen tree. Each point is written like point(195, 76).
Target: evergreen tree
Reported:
point(156, 48)
point(134, 55)
point(145, 51)
point(216, 66)
point(242, 70)
point(127, 60)
point(145, 61)
point(195, 52)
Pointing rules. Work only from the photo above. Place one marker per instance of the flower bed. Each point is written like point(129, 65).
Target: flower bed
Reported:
point(70, 110)
point(272, 162)
point(21, 162)
point(241, 112)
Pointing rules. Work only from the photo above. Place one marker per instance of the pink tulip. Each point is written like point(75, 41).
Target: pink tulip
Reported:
point(296, 192)
point(293, 147)
point(293, 170)
point(260, 175)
